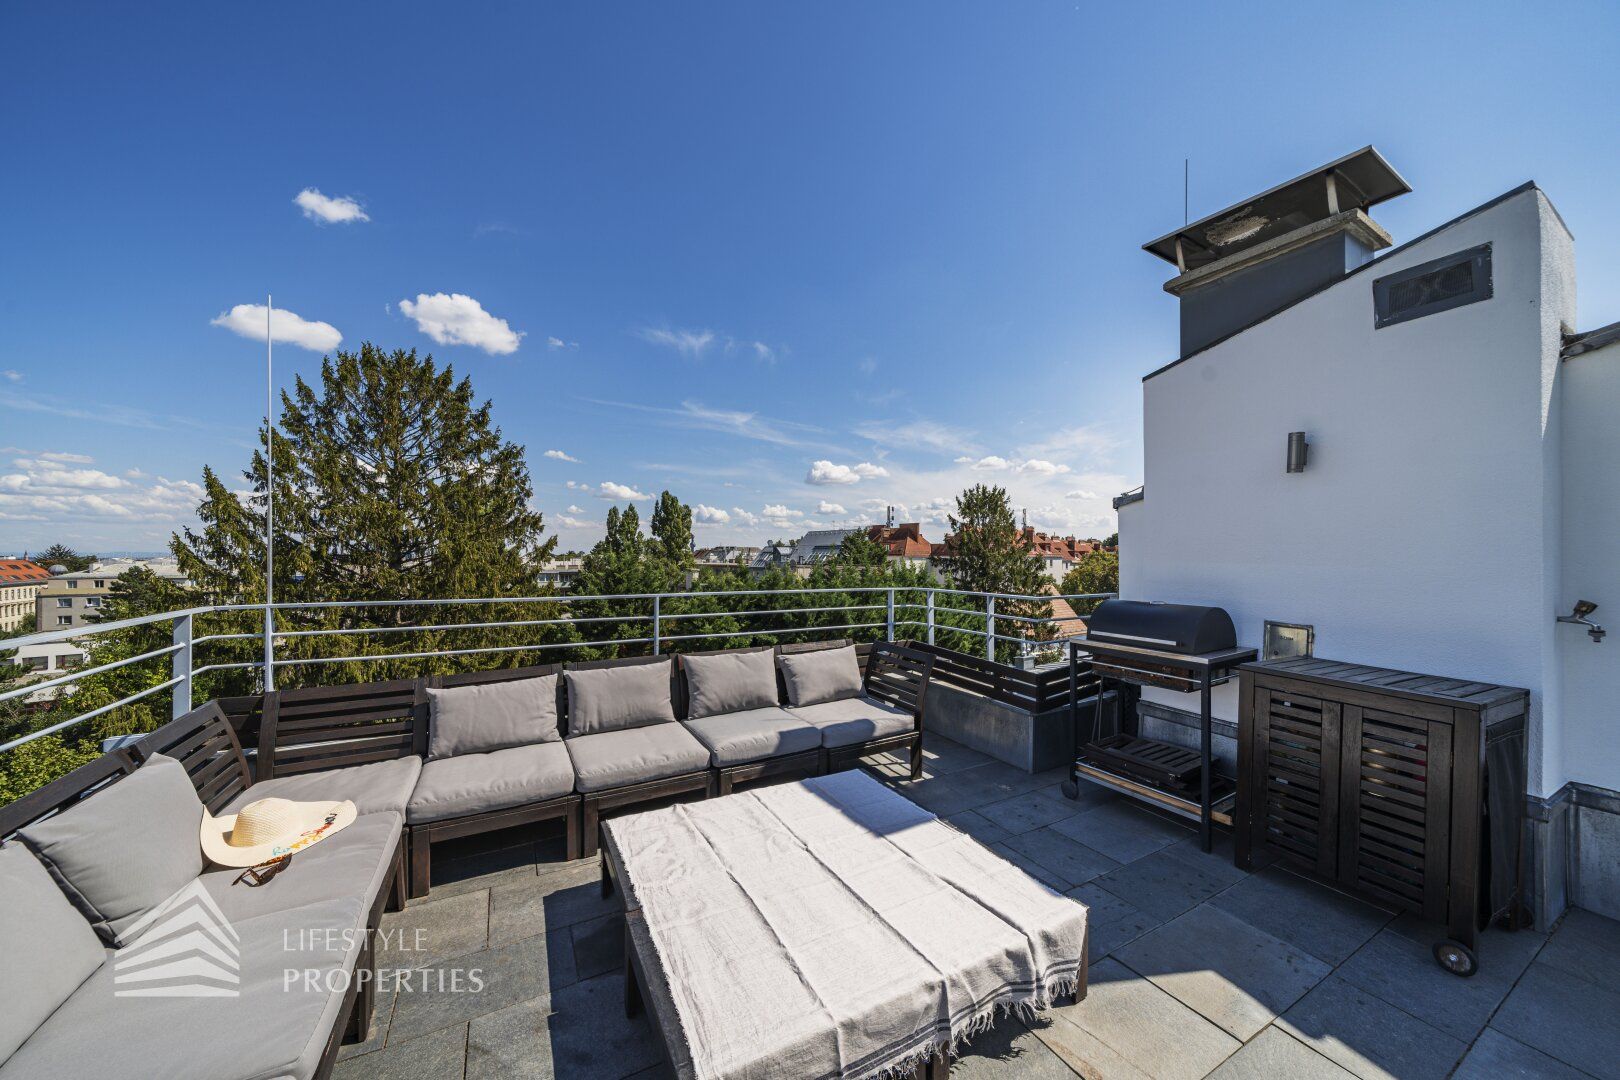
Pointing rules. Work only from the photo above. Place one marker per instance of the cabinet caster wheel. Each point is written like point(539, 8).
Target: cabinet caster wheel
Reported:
point(1070, 789)
point(1456, 958)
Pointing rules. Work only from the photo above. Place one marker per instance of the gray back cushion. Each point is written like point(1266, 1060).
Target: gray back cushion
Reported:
point(48, 947)
point(491, 716)
point(125, 849)
point(612, 698)
point(729, 682)
point(822, 675)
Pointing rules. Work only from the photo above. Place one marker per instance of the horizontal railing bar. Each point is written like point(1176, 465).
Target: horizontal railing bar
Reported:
point(1026, 596)
point(120, 703)
point(762, 633)
point(461, 652)
point(47, 637)
point(228, 667)
point(769, 611)
point(85, 673)
point(579, 598)
point(570, 621)
point(227, 637)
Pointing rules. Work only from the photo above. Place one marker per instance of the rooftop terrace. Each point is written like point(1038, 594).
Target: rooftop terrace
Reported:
point(1198, 969)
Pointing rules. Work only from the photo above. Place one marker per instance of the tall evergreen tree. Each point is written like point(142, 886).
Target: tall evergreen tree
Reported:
point(672, 531)
point(62, 555)
point(987, 552)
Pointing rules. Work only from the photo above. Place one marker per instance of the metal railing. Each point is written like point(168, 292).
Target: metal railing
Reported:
point(899, 608)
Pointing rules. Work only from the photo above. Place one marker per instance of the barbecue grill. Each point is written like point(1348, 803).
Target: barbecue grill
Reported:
point(1180, 647)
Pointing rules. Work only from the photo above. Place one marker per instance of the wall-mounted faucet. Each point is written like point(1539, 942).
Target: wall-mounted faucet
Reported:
point(1584, 608)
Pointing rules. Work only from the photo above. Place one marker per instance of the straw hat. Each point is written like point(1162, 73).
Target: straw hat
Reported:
point(270, 828)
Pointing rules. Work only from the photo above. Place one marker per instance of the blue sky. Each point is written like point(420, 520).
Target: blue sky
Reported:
point(706, 246)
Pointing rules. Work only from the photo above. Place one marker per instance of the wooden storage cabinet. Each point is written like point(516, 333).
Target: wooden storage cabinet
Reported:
point(1376, 779)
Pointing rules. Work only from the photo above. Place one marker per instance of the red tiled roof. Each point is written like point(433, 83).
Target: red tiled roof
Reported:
point(902, 541)
point(14, 571)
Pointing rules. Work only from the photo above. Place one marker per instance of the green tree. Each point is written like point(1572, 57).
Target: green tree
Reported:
point(988, 553)
point(859, 549)
point(1097, 572)
point(672, 531)
point(62, 555)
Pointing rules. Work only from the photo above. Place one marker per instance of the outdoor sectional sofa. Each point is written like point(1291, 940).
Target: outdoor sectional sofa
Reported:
point(108, 852)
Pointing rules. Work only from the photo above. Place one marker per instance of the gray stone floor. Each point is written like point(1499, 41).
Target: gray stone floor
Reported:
point(1198, 969)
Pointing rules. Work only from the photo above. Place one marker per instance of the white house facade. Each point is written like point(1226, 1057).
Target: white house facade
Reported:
point(1461, 487)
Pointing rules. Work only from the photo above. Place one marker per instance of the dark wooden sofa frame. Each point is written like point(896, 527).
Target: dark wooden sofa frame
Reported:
point(895, 675)
point(206, 745)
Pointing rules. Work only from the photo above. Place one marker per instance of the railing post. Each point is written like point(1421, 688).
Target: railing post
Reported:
point(269, 648)
point(658, 625)
point(990, 628)
point(888, 633)
point(930, 616)
point(180, 668)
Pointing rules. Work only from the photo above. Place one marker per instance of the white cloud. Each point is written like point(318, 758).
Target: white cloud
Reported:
point(825, 507)
point(744, 425)
point(572, 509)
point(11, 375)
point(921, 434)
point(781, 512)
point(868, 366)
point(324, 208)
point(458, 319)
point(60, 491)
point(575, 485)
point(247, 320)
point(993, 463)
point(610, 490)
point(71, 459)
point(710, 515)
point(826, 472)
point(763, 352)
point(1042, 467)
point(744, 517)
point(568, 522)
point(558, 455)
point(1081, 494)
point(689, 343)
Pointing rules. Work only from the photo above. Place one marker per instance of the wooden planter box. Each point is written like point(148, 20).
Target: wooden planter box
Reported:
point(1379, 781)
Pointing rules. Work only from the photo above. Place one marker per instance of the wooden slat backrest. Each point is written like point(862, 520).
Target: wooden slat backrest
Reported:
point(330, 727)
point(65, 791)
point(481, 678)
point(203, 741)
point(899, 676)
point(675, 695)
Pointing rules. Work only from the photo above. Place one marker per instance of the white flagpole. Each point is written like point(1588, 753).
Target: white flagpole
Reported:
point(269, 501)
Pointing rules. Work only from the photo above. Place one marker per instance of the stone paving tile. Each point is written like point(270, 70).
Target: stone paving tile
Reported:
point(1127, 1027)
point(1070, 861)
point(1122, 831)
point(478, 872)
point(1163, 885)
point(1368, 1036)
point(549, 902)
point(1327, 924)
point(1229, 972)
point(598, 946)
point(1031, 810)
point(1495, 1056)
point(1403, 972)
point(439, 928)
point(1587, 945)
point(1009, 1051)
point(978, 826)
point(1110, 921)
point(577, 1033)
point(1217, 863)
point(942, 757)
point(1565, 1017)
point(434, 1056)
point(377, 1037)
point(480, 983)
point(1276, 1055)
point(1031, 867)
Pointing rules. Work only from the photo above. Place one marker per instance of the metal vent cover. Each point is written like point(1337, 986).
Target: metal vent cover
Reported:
point(1439, 285)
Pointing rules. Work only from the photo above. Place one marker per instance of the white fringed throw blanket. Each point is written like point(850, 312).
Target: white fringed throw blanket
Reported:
point(833, 929)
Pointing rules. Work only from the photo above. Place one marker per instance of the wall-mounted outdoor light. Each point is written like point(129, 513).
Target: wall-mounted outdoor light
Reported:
point(1298, 451)
point(1582, 616)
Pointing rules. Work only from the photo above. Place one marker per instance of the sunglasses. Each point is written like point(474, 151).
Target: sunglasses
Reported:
point(254, 876)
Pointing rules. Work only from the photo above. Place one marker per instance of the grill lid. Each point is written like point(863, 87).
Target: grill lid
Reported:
point(1179, 628)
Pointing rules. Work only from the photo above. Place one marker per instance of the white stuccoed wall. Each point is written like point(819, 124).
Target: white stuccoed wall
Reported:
point(1590, 732)
point(1424, 533)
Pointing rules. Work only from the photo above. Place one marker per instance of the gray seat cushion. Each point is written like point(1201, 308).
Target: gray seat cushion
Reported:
point(611, 759)
point(477, 783)
point(729, 682)
point(127, 848)
point(353, 862)
point(49, 948)
point(853, 720)
point(275, 1027)
point(374, 786)
point(821, 675)
point(738, 737)
point(618, 697)
point(491, 716)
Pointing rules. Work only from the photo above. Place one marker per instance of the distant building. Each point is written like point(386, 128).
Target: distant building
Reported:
point(76, 597)
point(771, 557)
point(20, 583)
point(561, 573)
point(817, 546)
point(724, 558)
point(903, 544)
point(1059, 554)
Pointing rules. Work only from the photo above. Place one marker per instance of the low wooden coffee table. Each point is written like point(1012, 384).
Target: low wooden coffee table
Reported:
point(884, 935)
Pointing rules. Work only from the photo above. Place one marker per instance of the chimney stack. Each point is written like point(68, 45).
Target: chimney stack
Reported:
point(1241, 265)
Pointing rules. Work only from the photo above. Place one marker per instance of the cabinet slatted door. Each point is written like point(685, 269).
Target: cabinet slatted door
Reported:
point(1394, 831)
point(1296, 755)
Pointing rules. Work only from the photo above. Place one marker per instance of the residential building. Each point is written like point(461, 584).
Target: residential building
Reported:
point(75, 598)
point(20, 583)
point(1412, 452)
point(1058, 554)
point(903, 544)
point(771, 557)
point(561, 573)
point(724, 558)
